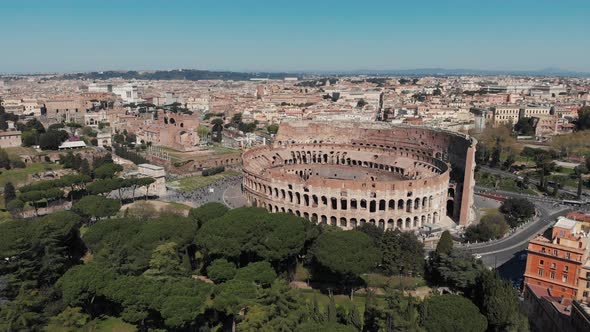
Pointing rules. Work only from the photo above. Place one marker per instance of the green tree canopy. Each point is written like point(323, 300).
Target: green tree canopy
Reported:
point(374, 232)
point(4, 159)
point(525, 127)
point(402, 253)
point(221, 270)
point(105, 186)
point(260, 273)
point(69, 320)
point(127, 244)
point(165, 262)
point(9, 193)
point(346, 252)
point(178, 301)
point(583, 122)
point(272, 129)
point(345, 255)
point(452, 313)
point(498, 301)
point(39, 250)
point(107, 171)
point(517, 210)
point(278, 308)
point(96, 207)
point(491, 226)
point(445, 244)
point(253, 234)
point(207, 212)
point(458, 270)
point(15, 206)
point(232, 296)
point(321, 327)
point(52, 139)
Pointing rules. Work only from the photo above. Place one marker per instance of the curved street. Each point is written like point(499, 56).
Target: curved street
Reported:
point(499, 252)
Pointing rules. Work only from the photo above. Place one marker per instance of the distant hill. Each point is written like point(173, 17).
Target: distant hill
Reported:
point(177, 74)
point(198, 75)
point(466, 72)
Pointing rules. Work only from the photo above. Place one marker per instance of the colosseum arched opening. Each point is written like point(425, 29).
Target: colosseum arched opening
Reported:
point(347, 174)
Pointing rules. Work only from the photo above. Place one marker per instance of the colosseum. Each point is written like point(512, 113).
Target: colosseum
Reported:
point(347, 174)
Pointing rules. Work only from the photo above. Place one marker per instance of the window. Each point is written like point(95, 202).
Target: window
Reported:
point(564, 278)
point(552, 275)
point(543, 250)
point(555, 252)
point(566, 268)
point(540, 272)
point(567, 255)
point(541, 262)
point(552, 265)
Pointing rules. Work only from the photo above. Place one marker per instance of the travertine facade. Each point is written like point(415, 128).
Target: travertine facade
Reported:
point(348, 173)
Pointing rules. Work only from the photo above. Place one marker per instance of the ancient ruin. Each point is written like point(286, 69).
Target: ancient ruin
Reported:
point(350, 173)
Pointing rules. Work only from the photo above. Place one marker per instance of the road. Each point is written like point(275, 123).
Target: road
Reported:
point(544, 199)
point(227, 191)
point(499, 252)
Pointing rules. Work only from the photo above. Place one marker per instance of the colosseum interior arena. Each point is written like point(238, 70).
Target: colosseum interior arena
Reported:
point(347, 174)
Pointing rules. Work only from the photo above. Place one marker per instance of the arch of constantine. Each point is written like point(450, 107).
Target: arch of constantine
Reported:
point(347, 174)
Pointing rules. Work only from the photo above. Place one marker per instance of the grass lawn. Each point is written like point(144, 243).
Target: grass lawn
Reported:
point(566, 171)
point(564, 179)
point(178, 206)
point(199, 181)
point(218, 150)
point(20, 175)
point(153, 208)
point(180, 156)
point(109, 324)
point(102, 324)
point(16, 152)
point(5, 215)
point(342, 300)
point(175, 155)
point(301, 273)
point(497, 182)
point(487, 211)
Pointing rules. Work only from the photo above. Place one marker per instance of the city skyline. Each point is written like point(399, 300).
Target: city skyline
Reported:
point(293, 37)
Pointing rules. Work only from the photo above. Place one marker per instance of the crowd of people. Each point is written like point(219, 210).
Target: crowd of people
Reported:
point(211, 193)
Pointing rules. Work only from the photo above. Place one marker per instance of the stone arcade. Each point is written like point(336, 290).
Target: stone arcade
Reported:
point(347, 174)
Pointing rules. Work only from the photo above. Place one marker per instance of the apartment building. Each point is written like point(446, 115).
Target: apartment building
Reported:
point(506, 114)
point(560, 263)
point(529, 112)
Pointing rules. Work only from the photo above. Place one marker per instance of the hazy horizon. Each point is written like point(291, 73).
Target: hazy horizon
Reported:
point(304, 36)
point(360, 71)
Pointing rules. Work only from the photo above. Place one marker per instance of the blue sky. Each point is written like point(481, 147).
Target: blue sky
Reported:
point(80, 35)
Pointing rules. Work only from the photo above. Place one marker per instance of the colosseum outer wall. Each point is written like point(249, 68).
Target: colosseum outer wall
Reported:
point(393, 176)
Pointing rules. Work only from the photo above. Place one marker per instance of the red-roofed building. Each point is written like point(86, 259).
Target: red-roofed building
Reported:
point(550, 313)
point(583, 217)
